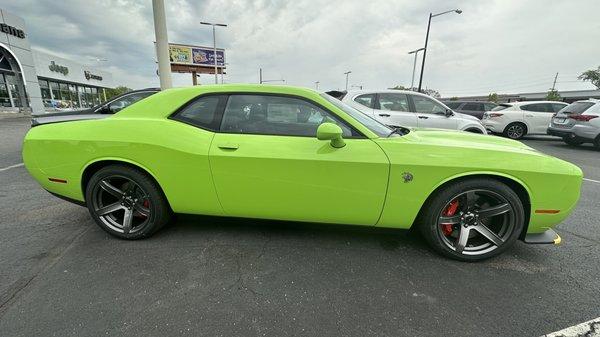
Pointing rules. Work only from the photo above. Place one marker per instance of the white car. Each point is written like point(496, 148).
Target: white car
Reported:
point(410, 109)
point(578, 123)
point(515, 120)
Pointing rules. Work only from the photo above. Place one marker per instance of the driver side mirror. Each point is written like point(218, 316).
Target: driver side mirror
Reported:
point(104, 109)
point(332, 132)
point(449, 113)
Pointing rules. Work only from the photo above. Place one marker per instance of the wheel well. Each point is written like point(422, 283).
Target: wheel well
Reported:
point(512, 184)
point(95, 167)
point(474, 130)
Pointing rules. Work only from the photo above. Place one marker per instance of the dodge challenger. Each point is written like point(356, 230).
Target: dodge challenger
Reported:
point(290, 153)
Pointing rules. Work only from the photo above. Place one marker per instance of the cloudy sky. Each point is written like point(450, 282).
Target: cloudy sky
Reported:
point(503, 46)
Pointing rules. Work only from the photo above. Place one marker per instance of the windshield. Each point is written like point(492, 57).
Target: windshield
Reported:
point(379, 129)
point(501, 107)
point(576, 108)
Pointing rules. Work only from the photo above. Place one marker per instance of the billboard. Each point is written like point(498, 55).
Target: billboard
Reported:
point(195, 55)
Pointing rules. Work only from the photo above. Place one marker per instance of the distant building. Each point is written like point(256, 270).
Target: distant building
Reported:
point(568, 96)
point(34, 81)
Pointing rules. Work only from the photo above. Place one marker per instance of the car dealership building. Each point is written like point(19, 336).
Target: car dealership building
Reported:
point(35, 81)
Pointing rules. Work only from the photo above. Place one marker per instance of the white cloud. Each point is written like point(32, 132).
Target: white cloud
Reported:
point(502, 46)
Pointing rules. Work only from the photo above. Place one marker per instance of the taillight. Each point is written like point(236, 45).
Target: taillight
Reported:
point(495, 114)
point(583, 118)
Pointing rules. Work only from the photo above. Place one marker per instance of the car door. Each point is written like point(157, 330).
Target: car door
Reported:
point(394, 109)
point(431, 114)
point(266, 162)
point(537, 116)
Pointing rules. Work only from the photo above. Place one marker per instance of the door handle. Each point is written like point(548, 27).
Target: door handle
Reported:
point(228, 146)
point(423, 117)
point(384, 115)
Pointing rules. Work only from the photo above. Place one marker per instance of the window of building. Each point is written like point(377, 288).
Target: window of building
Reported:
point(276, 115)
point(393, 102)
point(81, 94)
point(4, 97)
point(55, 90)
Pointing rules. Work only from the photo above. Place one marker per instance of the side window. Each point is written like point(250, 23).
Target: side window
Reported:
point(127, 100)
point(366, 100)
point(393, 102)
point(489, 106)
point(557, 107)
point(276, 115)
point(473, 107)
point(538, 107)
point(426, 105)
point(202, 112)
point(453, 105)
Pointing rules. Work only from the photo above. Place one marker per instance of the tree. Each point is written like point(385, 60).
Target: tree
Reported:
point(432, 93)
point(112, 92)
point(454, 98)
point(553, 95)
point(592, 75)
point(493, 97)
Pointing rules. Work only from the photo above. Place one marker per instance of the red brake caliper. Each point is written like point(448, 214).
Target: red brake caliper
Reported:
point(449, 211)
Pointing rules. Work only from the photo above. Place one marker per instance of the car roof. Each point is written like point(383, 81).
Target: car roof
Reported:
point(460, 101)
point(352, 93)
point(533, 102)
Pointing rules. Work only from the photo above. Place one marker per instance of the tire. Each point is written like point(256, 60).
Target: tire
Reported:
point(515, 130)
point(443, 224)
point(571, 141)
point(117, 193)
point(597, 143)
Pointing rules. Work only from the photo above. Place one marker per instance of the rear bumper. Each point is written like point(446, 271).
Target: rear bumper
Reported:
point(582, 133)
point(547, 237)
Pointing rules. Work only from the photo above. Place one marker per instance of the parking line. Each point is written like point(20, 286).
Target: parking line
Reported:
point(589, 328)
point(592, 180)
point(10, 167)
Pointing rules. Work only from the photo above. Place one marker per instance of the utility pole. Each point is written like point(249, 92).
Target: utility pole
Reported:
point(347, 73)
point(431, 15)
point(260, 75)
point(162, 44)
point(554, 84)
point(317, 85)
point(214, 25)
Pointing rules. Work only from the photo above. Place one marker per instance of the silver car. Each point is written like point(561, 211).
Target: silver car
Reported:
point(578, 123)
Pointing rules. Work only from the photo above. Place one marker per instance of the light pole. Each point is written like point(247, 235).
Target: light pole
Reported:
point(162, 44)
point(457, 11)
point(357, 86)
point(317, 85)
point(416, 52)
point(347, 73)
point(214, 44)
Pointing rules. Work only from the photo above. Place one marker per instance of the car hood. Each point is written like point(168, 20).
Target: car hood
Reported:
point(465, 116)
point(467, 140)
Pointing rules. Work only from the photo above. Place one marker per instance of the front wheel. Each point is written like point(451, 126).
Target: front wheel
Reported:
point(126, 202)
point(472, 220)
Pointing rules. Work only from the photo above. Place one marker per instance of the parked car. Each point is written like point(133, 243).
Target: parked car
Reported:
point(410, 109)
point(289, 153)
point(96, 112)
point(515, 120)
point(473, 108)
point(578, 123)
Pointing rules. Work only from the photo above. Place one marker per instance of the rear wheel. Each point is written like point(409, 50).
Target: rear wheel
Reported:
point(473, 220)
point(515, 130)
point(571, 141)
point(126, 202)
point(597, 143)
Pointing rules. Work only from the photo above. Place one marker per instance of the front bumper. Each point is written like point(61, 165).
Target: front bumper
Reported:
point(547, 237)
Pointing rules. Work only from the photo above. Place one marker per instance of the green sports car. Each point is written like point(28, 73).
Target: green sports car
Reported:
point(288, 153)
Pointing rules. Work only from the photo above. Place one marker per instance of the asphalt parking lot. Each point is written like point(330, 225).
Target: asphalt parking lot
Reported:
point(61, 275)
